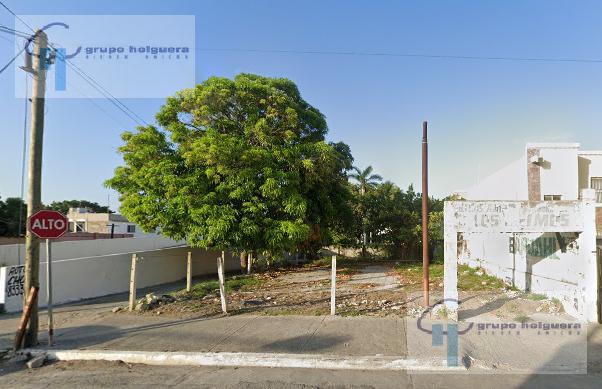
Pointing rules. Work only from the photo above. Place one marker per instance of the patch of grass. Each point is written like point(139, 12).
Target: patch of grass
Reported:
point(203, 288)
point(522, 319)
point(535, 296)
point(556, 301)
point(347, 271)
point(442, 313)
point(350, 312)
point(471, 279)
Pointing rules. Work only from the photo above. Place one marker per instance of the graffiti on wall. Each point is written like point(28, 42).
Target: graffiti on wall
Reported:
point(15, 279)
point(514, 216)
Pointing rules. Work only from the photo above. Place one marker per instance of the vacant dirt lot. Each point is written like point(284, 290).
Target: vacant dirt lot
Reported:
point(371, 288)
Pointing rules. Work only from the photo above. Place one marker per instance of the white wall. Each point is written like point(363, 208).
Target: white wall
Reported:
point(590, 165)
point(15, 254)
point(570, 276)
point(559, 175)
point(77, 279)
point(560, 172)
point(508, 183)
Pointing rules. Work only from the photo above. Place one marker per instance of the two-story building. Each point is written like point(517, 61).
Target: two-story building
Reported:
point(536, 223)
point(546, 172)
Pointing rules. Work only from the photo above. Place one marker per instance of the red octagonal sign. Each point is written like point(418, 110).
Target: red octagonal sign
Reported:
point(47, 224)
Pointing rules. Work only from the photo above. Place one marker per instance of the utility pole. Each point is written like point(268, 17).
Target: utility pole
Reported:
point(34, 178)
point(425, 217)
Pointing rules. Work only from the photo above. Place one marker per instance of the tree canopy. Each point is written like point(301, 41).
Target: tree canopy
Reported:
point(63, 206)
point(240, 164)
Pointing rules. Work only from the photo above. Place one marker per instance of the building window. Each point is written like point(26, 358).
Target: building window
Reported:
point(131, 228)
point(79, 226)
point(597, 186)
point(552, 197)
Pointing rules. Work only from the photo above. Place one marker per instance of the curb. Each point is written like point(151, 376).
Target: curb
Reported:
point(306, 361)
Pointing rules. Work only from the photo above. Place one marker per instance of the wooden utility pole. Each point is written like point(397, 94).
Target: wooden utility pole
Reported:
point(425, 218)
point(34, 179)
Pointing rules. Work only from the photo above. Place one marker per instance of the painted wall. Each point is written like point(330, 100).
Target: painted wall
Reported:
point(80, 278)
point(508, 183)
point(554, 248)
point(15, 254)
point(559, 171)
point(590, 165)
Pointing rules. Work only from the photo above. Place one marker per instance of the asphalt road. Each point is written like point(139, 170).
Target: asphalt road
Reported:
point(119, 374)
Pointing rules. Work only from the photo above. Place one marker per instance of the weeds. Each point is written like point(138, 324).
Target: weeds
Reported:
point(204, 288)
point(522, 319)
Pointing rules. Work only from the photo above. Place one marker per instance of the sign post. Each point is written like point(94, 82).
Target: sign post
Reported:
point(48, 225)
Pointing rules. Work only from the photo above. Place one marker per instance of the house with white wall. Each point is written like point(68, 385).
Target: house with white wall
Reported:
point(546, 172)
point(535, 223)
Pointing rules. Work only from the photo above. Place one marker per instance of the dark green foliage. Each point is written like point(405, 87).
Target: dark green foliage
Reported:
point(239, 164)
point(9, 217)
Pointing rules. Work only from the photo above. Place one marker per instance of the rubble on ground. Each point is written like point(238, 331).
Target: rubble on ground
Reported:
point(151, 301)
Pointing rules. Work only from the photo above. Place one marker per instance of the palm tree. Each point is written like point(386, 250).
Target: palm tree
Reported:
point(365, 180)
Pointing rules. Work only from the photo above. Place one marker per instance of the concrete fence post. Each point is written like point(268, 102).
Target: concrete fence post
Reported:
point(333, 286)
point(249, 261)
point(189, 272)
point(132, 301)
point(221, 277)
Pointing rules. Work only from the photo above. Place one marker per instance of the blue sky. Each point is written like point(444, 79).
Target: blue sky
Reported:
point(480, 113)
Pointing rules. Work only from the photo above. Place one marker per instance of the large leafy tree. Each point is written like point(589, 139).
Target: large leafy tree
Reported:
point(366, 180)
point(240, 164)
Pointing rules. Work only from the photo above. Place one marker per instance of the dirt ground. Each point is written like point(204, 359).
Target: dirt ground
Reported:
point(370, 288)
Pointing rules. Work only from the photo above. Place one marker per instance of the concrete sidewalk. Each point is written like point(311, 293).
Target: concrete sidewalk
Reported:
point(92, 326)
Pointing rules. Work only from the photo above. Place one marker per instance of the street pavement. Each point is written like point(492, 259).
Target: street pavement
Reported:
point(496, 358)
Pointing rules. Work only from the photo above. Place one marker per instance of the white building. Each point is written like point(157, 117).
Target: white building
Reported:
point(546, 172)
point(84, 220)
point(535, 223)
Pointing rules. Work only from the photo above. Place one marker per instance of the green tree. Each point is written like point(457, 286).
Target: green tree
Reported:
point(9, 217)
point(365, 182)
point(63, 206)
point(238, 164)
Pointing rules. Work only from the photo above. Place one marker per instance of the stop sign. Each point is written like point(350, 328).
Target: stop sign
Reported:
point(47, 224)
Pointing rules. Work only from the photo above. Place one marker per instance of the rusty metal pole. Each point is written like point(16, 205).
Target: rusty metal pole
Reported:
point(425, 217)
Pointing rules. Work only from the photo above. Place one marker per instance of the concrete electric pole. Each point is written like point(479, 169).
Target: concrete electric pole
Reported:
point(34, 178)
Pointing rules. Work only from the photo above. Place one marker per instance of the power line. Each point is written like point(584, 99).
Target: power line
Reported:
point(116, 102)
point(13, 30)
point(89, 79)
point(16, 16)
point(407, 55)
point(9, 30)
point(12, 60)
point(95, 84)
